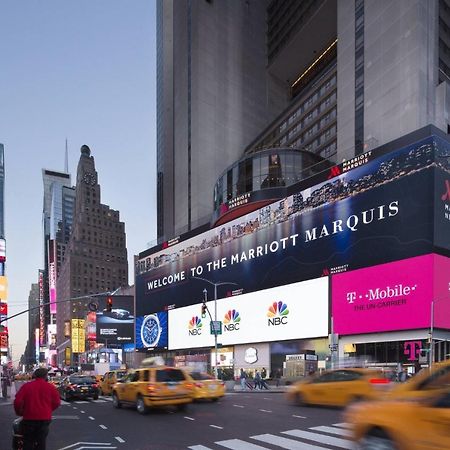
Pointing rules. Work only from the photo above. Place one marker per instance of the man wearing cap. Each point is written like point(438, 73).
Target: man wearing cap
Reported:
point(35, 401)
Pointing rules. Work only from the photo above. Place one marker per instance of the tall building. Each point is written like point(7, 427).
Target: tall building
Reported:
point(2, 192)
point(211, 100)
point(4, 335)
point(95, 259)
point(333, 78)
point(33, 324)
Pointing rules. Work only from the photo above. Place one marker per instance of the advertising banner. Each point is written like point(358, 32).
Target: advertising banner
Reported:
point(441, 292)
point(294, 311)
point(3, 342)
point(3, 288)
point(52, 274)
point(389, 297)
point(36, 343)
point(2, 249)
point(4, 309)
point(51, 338)
point(117, 326)
point(151, 331)
point(78, 336)
point(378, 212)
point(42, 335)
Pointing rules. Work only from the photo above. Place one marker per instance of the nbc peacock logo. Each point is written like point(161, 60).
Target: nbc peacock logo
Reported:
point(195, 326)
point(278, 314)
point(232, 320)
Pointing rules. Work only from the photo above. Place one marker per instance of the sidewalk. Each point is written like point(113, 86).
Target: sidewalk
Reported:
point(272, 390)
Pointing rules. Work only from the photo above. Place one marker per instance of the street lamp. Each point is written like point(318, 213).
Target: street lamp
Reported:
point(205, 299)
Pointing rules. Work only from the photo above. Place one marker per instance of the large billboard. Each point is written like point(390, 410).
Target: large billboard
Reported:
point(42, 334)
point(52, 274)
point(378, 212)
point(393, 296)
point(3, 288)
point(78, 336)
point(116, 326)
point(294, 311)
point(152, 331)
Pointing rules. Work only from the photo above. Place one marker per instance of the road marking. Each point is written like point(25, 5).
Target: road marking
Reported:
point(266, 398)
point(92, 418)
point(103, 426)
point(81, 401)
point(119, 439)
point(216, 426)
point(66, 417)
point(299, 417)
point(189, 418)
point(99, 401)
point(332, 430)
point(265, 410)
point(316, 437)
point(239, 406)
point(285, 443)
point(74, 407)
point(199, 447)
point(98, 448)
point(82, 412)
point(237, 444)
point(342, 425)
point(87, 443)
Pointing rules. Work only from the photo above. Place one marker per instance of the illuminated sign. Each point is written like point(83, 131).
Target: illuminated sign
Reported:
point(42, 336)
point(293, 311)
point(4, 309)
point(52, 274)
point(36, 344)
point(3, 288)
point(78, 336)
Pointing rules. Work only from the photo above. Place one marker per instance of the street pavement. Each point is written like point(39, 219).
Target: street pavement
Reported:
point(240, 421)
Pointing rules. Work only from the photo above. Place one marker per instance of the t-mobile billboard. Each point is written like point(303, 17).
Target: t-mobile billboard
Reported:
point(293, 311)
point(393, 296)
point(378, 212)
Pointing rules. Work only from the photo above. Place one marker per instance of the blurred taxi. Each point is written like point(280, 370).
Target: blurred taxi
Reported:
point(109, 379)
point(152, 387)
point(205, 386)
point(56, 381)
point(402, 425)
point(338, 387)
point(426, 382)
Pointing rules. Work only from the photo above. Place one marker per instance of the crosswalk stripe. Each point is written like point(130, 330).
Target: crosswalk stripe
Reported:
point(237, 444)
point(316, 437)
point(199, 447)
point(99, 401)
point(284, 442)
point(81, 401)
point(342, 425)
point(332, 430)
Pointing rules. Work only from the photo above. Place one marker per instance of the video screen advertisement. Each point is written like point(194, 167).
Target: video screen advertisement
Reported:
point(294, 311)
point(117, 326)
point(152, 331)
point(378, 212)
point(393, 296)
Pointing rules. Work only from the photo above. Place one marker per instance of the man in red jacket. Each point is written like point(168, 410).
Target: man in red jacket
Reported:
point(35, 402)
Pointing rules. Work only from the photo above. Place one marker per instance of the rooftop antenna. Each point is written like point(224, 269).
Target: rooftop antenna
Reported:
point(66, 160)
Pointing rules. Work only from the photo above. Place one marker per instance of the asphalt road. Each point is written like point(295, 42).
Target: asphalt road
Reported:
point(240, 421)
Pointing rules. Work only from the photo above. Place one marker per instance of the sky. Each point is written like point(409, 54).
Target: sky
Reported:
point(84, 70)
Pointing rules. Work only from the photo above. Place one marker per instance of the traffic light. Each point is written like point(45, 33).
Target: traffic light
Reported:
point(204, 310)
point(109, 304)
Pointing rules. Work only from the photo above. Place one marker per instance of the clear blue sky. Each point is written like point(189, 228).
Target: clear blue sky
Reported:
point(84, 70)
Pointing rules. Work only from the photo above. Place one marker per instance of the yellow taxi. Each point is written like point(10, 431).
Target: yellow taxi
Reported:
point(338, 387)
point(206, 387)
point(402, 425)
point(426, 382)
point(109, 379)
point(152, 387)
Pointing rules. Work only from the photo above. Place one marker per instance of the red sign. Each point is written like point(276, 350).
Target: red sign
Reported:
point(3, 340)
point(3, 309)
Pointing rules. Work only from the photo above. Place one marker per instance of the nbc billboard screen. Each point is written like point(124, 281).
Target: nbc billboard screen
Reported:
point(393, 296)
point(375, 211)
point(292, 311)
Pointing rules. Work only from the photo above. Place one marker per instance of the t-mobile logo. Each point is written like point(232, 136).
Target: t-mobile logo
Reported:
point(351, 296)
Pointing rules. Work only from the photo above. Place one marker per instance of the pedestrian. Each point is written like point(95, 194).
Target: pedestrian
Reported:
point(35, 401)
point(243, 378)
point(263, 373)
point(257, 384)
point(277, 377)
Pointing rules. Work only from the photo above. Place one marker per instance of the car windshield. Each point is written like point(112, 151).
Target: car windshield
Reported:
point(200, 376)
point(120, 375)
point(79, 380)
point(167, 375)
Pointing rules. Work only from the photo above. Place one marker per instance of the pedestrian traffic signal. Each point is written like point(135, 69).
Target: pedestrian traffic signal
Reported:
point(204, 310)
point(109, 304)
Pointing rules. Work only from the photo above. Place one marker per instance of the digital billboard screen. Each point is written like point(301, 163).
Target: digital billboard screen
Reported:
point(152, 331)
point(294, 311)
point(378, 212)
point(393, 296)
point(116, 326)
point(52, 274)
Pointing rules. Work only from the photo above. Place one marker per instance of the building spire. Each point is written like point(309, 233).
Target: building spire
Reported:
point(66, 160)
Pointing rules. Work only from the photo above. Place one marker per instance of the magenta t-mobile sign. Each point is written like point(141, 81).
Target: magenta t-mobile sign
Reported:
point(393, 296)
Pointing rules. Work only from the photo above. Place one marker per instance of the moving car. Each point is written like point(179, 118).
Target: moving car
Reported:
point(338, 387)
point(153, 387)
point(78, 386)
point(109, 379)
point(402, 425)
point(206, 387)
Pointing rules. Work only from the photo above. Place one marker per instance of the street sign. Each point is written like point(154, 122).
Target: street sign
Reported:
point(216, 327)
point(333, 347)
